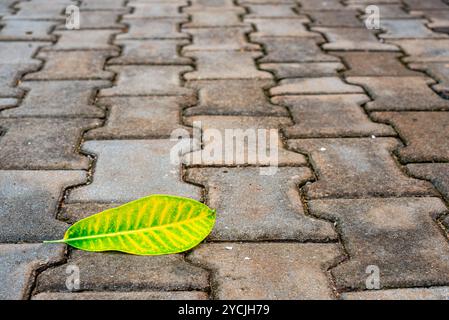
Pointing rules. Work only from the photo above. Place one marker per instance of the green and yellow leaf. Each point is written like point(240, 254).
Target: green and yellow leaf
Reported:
point(154, 225)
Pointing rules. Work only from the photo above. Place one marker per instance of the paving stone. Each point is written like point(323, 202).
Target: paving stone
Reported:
point(426, 134)
point(34, 10)
point(154, 10)
point(375, 64)
point(210, 5)
point(306, 70)
point(29, 30)
point(100, 19)
point(321, 5)
point(353, 39)
point(428, 4)
point(345, 18)
point(368, 2)
point(274, 212)
point(411, 93)
point(147, 295)
point(233, 97)
point(29, 202)
point(387, 11)
point(8, 103)
point(439, 19)
point(19, 52)
point(150, 52)
point(139, 117)
point(438, 71)
point(225, 65)
point(102, 4)
point(6, 7)
point(437, 173)
point(246, 271)
point(293, 50)
point(123, 272)
point(362, 167)
point(407, 28)
point(148, 170)
point(140, 81)
point(73, 212)
point(434, 293)
point(398, 236)
point(209, 19)
point(285, 27)
point(18, 264)
point(330, 116)
point(228, 38)
point(325, 85)
point(153, 29)
point(270, 11)
point(10, 75)
point(424, 50)
point(73, 65)
point(245, 2)
point(84, 40)
point(44, 99)
point(221, 123)
point(43, 143)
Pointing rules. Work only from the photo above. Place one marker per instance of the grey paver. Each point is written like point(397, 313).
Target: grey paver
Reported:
point(99, 20)
point(228, 38)
point(29, 201)
point(388, 11)
point(268, 270)
point(114, 295)
point(40, 10)
point(424, 50)
point(10, 75)
point(398, 236)
point(330, 116)
point(439, 19)
point(84, 40)
point(306, 70)
point(359, 167)
point(437, 173)
point(270, 11)
point(429, 4)
point(58, 98)
point(19, 263)
point(439, 71)
point(344, 18)
point(324, 85)
point(321, 5)
point(153, 29)
point(102, 4)
point(151, 10)
point(148, 171)
point(274, 212)
point(47, 143)
point(433, 293)
point(217, 18)
point(285, 27)
point(407, 28)
point(29, 30)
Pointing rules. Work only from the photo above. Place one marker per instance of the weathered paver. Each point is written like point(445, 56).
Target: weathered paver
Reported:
point(102, 4)
point(424, 50)
point(387, 10)
point(29, 201)
point(247, 270)
point(426, 134)
point(409, 94)
point(437, 173)
point(153, 29)
point(18, 264)
point(286, 27)
point(233, 97)
point(158, 10)
point(227, 38)
point(439, 19)
point(408, 28)
point(344, 18)
point(428, 4)
point(40, 10)
point(44, 98)
point(33, 143)
point(324, 85)
point(433, 293)
point(274, 212)
point(115, 295)
point(322, 5)
point(270, 11)
point(330, 116)
point(123, 273)
point(215, 18)
point(364, 167)
point(99, 20)
point(439, 71)
point(148, 170)
point(139, 117)
point(298, 70)
point(29, 30)
point(84, 40)
point(10, 75)
point(398, 236)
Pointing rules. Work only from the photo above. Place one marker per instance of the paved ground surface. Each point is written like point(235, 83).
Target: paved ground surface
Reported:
point(86, 117)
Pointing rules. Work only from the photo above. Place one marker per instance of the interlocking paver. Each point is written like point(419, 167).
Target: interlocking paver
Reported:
point(428, 4)
point(293, 50)
point(73, 65)
point(306, 70)
point(354, 39)
point(439, 71)
point(6, 7)
point(225, 65)
point(398, 236)
point(139, 117)
point(246, 271)
point(10, 75)
point(437, 173)
point(32, 143)
point(434, 293)
point(122, 272)
point(19, 262)
point(217, 18)
point(147, 80)
point(371, 64)
point(322, 85)
point(208, 5)
point(99, 20)
point(407, 28)
point(153, 29)
point(154, 10)
point(40, 10)
point(73, 212)
point(426, 134)
point(58, 98)
point(84, 40)
point(233, 97)
point(228, 38)
point(321, 5)
point(439, 19)
point(7, 103)
point(411, 93)
point(388, 11)
point(270, 11)
point(424, 50)
point(357, 168)
point(115, 295)
point(330, 116)
point(150, 52)
point(129, 169)
point(102, 4)
point(274, 212)
point(344, 18)
point(29, 30)
point(29, 201)
point(285, 27)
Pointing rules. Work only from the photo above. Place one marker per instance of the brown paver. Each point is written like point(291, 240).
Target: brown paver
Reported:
point(344, 18)
point(437, 173)
point(115, 295)
point(298, 70)
point(424, 50)
point(438, 71)
point(286, 27)
point(324, 85)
